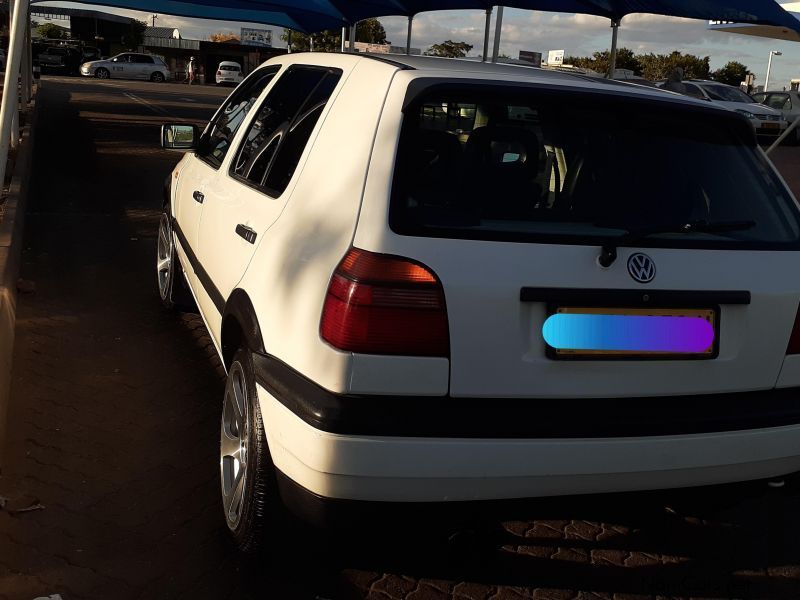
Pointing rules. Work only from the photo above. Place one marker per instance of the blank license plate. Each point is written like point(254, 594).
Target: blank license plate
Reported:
point(580, 332)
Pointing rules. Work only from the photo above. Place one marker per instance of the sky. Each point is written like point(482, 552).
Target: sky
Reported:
point(578, 35)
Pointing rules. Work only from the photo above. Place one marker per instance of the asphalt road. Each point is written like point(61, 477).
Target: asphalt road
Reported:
point(113, 429)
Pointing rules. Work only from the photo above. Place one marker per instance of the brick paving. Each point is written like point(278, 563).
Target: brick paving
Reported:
point(114, 424)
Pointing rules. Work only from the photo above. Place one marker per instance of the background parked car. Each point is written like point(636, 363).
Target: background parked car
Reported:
point(128, 65)
point(786, 102)
point(63, 60)
point(3, 59)
point(229, 72)
point(765, 120)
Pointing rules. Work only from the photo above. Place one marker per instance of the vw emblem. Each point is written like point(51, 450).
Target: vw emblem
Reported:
point(641, 267)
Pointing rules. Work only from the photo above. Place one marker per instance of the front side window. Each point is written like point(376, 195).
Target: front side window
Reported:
point(218, 136)
point(779, 101)
point(278, 134)
point(541, 166)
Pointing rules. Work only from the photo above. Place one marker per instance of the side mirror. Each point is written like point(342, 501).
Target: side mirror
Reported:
point(179, 137)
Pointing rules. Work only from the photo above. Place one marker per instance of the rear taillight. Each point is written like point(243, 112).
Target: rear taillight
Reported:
point(381, 304)
point(794, 340)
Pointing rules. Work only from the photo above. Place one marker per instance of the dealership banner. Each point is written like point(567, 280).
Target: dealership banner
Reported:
point(256, 37)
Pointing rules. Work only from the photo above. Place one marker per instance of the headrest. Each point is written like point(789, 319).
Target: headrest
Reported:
point(504, 147)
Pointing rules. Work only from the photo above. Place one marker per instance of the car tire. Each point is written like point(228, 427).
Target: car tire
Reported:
point(157, 77)
point(102, 73)
point(172, 288)
point(250, 500)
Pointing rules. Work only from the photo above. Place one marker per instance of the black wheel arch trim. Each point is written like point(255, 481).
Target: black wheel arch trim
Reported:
point(523, 418)
point(240, 307)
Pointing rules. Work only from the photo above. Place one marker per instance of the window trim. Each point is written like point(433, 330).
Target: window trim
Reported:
point(276, 69)
point(263, 189)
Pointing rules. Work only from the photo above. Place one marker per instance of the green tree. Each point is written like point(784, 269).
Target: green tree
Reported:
point(733, 73)
point(51, 31)
point(134, 36)
point(449, 49)
point(659, 66)
point(368, 30)
point(600, 62)
point(324, 41)
point(371, 31)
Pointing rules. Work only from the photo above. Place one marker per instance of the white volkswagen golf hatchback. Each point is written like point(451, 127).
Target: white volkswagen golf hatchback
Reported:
point(433, 280)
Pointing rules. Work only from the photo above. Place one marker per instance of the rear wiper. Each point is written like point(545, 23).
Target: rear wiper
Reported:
point(609, 252)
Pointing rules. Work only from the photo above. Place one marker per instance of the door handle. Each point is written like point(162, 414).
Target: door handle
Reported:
point(198, 196)
point(247, 233)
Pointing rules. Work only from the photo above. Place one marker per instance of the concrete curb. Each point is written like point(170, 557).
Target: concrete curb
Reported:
point(11, 232)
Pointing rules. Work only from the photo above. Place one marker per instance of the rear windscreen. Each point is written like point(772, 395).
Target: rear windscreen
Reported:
point(580, 168)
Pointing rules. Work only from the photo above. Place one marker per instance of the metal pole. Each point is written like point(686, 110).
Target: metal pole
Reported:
point(486, 33)
point(408, 36)
point(498, 27)
point(27, 70)
point(289, 41)
point(344, 36)
point(311, 43)
point(612, 66)
point(769, 68)
point(353, 36)
point(8, 107)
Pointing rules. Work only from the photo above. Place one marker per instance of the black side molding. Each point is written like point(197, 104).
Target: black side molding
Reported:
point(632, 298)
point(523, 418)
point(202, 275)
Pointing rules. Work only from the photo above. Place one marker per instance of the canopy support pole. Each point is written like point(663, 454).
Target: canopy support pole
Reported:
point(8, 108)
point(408, 35)
point(344, 37)
point(27, 66)
point(612, 64)
point(486, 34)
point(288, 41)
point(353, 36)
point(498, 28)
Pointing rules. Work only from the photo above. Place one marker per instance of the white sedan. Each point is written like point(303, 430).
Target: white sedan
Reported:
point(128, 65)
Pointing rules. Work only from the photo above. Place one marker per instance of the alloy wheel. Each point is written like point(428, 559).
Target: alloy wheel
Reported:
point(164, 257)
point(233, 445)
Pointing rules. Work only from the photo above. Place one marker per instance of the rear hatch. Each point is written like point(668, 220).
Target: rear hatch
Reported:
point(555, 219)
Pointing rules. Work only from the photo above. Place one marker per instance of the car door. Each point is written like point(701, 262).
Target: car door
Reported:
point(145, 64)
point(136, 67)
point(202, 166)
point(120, 66)
point(242, 203)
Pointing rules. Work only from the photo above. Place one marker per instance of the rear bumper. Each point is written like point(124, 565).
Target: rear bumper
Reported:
point(423, 467)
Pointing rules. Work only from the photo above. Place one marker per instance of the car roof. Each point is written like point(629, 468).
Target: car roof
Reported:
point(229, 62)
point(477, 70)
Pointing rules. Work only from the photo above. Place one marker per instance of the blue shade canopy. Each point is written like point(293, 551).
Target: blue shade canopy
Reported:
point(316, 15)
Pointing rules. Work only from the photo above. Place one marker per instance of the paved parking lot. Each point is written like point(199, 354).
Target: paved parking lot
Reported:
point(114, 425)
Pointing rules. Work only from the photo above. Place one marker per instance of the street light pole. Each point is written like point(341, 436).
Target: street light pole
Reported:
point(769, 67)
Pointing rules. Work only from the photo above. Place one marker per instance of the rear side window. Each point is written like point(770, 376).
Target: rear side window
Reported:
point(218, 136)
point(142, 59)
point(280, 131)
point(561, 167)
